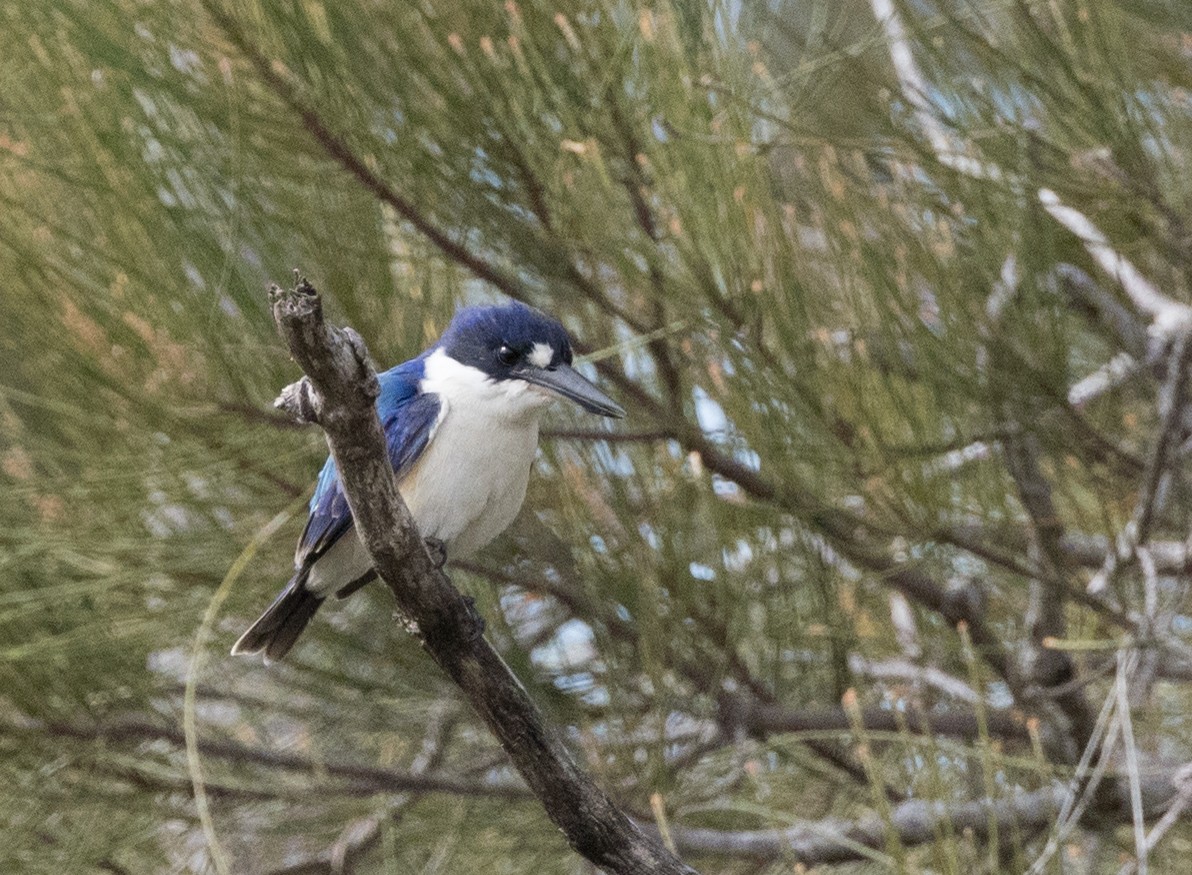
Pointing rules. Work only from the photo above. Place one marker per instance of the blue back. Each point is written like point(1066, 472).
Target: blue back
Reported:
point(408, 416)
point(408, 419)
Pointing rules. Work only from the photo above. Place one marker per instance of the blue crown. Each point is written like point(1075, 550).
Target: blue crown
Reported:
point(478, 336)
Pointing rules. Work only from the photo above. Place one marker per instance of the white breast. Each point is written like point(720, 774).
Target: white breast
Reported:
point(470, 482)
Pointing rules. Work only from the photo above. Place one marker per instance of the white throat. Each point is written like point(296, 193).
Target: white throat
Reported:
point(464, 388)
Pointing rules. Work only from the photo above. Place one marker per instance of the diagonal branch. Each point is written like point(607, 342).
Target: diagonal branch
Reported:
point(335, 146)
point(1169, 318)
point(1171, 403)
point(276, 79)
point(339, 392)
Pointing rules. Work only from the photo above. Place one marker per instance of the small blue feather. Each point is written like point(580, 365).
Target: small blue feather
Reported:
point(408, 419)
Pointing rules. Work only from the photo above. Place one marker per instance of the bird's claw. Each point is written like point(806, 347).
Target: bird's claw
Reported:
point(437, 551)
point(475, 621)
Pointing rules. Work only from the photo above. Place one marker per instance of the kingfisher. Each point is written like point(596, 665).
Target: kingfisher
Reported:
point(461, 427)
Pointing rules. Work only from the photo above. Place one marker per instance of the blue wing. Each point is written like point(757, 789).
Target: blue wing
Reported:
point(408, 419)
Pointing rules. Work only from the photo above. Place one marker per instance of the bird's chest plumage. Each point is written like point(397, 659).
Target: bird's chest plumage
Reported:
point(470, 482)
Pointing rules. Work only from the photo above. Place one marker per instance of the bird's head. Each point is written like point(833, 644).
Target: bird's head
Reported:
point(523, 352)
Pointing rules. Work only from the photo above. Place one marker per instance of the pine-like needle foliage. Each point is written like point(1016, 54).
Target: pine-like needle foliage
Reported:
point(897, 295)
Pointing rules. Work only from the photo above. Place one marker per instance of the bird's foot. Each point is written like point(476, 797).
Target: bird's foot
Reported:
point(438, 552)
point(475, 621)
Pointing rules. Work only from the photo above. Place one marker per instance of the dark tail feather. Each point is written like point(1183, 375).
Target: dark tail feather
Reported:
point(279, 627)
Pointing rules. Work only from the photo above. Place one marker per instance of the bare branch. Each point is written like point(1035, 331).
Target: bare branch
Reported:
point(836, 840)
point(345, 386)
point(1169, 317)
point(1118, 371)
point(1088, 296)
point(916, 822)
point(762, 718)
point(1172, 402)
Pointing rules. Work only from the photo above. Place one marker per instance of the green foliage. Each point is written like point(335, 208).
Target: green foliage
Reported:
point(736, 208)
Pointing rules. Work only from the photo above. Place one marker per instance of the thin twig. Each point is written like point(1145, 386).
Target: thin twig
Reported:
point(1183, 798)
point(1169, 318)
point(1171, 403)
point(335, 146)
point(1121, 689)
point(366, 779)
point(361, 836)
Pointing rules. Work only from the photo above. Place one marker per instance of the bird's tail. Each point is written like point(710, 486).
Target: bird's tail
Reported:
point(276, 630)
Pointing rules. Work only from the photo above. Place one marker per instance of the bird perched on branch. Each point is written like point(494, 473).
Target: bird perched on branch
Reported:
point(461, 426)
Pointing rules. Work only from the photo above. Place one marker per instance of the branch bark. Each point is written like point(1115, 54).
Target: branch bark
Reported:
point(916, 822)
point(764, 718)
point(837, 840)
point(338, 392)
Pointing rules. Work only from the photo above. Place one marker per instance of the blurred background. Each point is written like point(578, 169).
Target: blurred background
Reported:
point(887, 568)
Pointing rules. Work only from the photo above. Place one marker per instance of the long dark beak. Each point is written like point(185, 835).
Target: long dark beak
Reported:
point(566, 381)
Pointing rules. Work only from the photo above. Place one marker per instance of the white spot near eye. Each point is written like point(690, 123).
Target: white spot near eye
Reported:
point(541, 355)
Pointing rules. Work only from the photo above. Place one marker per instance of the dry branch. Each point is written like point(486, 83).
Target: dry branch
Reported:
point(916, 822)
point(837, 840)
point(339, 392)
point(763, 718)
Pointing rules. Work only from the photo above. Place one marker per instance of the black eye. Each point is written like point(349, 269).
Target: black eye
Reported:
point(507, 355)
